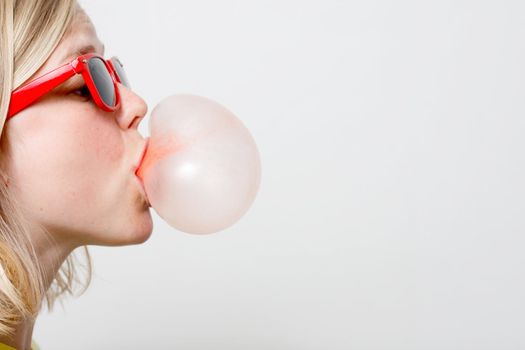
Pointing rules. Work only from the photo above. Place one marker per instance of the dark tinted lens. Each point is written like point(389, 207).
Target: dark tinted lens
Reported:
point(119, 68)
point(102, 80)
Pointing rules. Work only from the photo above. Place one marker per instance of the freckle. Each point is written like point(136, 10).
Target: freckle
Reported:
point(41, 208)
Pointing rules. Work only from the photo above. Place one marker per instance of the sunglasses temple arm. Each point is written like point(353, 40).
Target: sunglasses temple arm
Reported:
point(28, 94)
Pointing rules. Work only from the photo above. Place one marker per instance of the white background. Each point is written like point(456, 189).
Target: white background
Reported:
point(390, 213)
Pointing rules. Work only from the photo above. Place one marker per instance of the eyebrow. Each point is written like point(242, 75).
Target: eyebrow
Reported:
point(78, 52)
point(82, 51)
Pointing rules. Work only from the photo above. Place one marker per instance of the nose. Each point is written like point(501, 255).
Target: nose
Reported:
point(132, 108)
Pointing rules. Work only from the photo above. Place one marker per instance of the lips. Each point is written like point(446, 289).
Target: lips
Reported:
point(141, 158)
point(136, 169)
point(143, 191)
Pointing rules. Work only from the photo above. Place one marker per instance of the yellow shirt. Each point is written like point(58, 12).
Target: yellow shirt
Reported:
point(34, 346)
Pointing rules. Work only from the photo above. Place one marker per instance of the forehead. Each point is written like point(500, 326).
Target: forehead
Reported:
point(80, 34)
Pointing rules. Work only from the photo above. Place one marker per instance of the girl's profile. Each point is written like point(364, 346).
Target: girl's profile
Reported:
point(68, 151)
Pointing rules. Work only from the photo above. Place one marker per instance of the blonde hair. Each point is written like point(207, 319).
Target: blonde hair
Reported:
point(30, 30)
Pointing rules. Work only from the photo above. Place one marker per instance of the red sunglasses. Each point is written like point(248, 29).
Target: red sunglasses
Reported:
point(101, 77)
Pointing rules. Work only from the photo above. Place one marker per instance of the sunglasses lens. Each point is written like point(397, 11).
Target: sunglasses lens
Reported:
point(119, 68)
point(103, 81)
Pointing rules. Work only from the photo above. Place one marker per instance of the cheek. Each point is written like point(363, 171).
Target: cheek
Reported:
point(62, 169)
point(99, 145)
point(85, 150)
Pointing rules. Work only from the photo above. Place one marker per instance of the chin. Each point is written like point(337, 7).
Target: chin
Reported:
point(142, 231)
point(136, 232)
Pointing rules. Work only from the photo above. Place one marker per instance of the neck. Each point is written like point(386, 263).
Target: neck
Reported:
point(51, 255)
point(21, 339)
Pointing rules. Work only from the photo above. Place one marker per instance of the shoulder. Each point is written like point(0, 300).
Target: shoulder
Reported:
point(34, 345)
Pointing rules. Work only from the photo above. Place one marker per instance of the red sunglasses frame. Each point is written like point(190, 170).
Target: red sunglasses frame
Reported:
point(29, 93)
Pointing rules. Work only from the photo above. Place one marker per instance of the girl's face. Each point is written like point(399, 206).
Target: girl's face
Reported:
point(71, 165)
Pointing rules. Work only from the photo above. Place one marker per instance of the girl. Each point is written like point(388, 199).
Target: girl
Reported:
point(69, 147)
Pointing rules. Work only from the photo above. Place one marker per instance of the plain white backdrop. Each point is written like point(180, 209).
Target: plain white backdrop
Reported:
point(391, 208)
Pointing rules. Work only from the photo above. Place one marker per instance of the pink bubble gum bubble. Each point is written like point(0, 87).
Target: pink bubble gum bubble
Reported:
point(201, 170)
